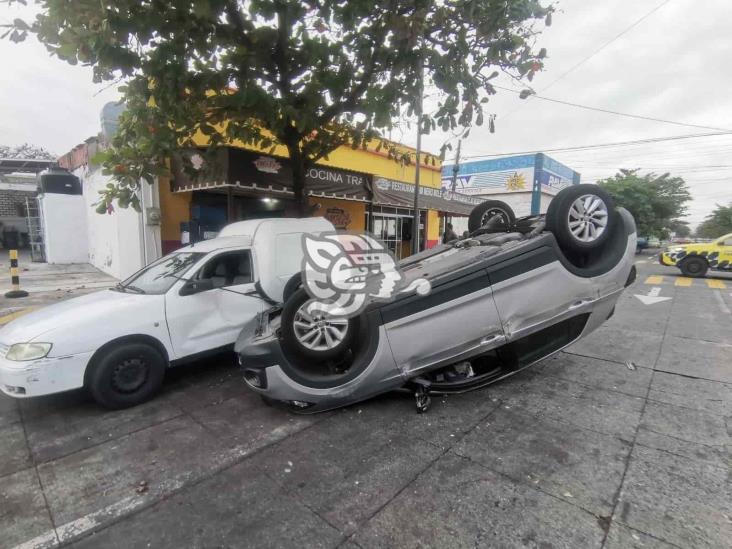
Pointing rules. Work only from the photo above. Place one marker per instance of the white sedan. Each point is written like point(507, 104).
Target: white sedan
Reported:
point(118, 342)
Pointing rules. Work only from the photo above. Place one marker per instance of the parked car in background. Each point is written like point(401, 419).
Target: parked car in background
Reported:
point(645, 242)
point(118, 342)
point(696, 259)
point(641, 244)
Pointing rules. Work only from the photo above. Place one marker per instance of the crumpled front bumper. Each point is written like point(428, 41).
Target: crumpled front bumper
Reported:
point(44, 376)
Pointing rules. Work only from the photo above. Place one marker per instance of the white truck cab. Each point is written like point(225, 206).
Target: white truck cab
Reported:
point(118, 342)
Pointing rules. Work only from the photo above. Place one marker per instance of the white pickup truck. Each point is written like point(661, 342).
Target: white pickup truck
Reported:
point(118, 342)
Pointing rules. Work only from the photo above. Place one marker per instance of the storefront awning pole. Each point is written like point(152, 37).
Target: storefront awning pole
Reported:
point(456, 168)
point(230, 204)
point(415, 222)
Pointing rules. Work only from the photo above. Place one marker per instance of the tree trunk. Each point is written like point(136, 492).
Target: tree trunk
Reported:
point(298, 179)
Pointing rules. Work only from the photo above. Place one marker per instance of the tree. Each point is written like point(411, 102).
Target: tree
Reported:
point(680, 228)
point(717, 223)
point(656, 201)
point(25, 151)
point(311, 75)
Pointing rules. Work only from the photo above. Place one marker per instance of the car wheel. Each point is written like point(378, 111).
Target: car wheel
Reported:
point(126, 375)
point(292, 286)
point(694, 266)
point(581, 217)
point(485, 211)
point(315, 336)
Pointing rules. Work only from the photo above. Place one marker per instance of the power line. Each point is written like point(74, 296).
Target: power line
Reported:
point(617, 113)
point(606, 44)
point(657, 166)
point(603, 145)
point(598, 50)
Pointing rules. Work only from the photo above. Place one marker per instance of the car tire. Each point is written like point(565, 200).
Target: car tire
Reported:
point(576, 229)
point(126, 375)
point(694, 266)
point(292, 286)
point(302, 335)
point(486, 210)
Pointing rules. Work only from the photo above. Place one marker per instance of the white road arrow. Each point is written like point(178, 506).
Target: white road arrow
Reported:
point(652, 296)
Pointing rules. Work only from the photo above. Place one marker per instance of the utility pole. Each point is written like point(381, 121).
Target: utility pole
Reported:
point(456, 167)
point(415, 221)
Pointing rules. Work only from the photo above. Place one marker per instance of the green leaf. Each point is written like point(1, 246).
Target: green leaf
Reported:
point(21, 25)
point(526, 93)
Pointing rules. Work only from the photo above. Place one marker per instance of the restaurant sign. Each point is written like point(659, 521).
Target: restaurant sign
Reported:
point(398, 193)
point(231, 167)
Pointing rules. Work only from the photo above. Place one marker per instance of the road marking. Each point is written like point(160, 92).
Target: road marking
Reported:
point(12, 316)
point(652, 297)
point(654, 279)
point(716, 284)
point(722, 305)
point(683, 281)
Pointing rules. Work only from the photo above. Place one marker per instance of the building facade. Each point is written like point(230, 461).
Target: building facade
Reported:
point(355, 189)
point(526, 182)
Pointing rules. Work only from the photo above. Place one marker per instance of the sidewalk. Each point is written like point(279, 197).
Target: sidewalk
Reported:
point(47, 283)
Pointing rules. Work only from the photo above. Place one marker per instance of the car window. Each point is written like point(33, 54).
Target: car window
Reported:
point(159, 276)
point(227, 269)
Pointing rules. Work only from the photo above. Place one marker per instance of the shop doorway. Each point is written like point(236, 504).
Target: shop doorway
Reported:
point(211, 211)
point(393, 227)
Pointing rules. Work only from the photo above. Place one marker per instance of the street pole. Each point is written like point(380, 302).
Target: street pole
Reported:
point(456, 167)
point(415, 222)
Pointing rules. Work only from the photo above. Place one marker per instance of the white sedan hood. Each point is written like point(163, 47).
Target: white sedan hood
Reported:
point(71, 315)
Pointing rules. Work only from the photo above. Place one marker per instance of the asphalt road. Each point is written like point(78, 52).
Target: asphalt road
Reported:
point(580, 451)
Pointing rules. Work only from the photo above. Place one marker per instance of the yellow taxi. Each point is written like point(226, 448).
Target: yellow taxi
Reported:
point(696, 259)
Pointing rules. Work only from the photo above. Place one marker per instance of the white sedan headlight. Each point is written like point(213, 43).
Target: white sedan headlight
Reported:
point(28, 351)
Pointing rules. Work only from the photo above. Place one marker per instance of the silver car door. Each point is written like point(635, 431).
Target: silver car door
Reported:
point(534, 290)
point(457, 319)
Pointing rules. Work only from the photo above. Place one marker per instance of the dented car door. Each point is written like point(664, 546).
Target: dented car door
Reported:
point(458, 318)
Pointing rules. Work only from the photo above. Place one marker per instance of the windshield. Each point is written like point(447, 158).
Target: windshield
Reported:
point(158, 277)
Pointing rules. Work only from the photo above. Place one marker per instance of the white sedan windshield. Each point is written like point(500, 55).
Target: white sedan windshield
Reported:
point(158, 277)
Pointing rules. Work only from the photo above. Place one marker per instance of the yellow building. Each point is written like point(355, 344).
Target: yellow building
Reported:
point(356, 190)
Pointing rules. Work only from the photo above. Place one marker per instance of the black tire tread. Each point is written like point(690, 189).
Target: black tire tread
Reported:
point(99, 374)
point(697, 259)
point(474, 221)
point(557, 213)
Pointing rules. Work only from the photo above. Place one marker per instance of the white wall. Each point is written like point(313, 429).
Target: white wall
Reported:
point(520, 201)
point(119, 242)
point(64, 228)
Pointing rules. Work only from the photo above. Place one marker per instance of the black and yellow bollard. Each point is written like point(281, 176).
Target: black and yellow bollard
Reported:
point(15, 279)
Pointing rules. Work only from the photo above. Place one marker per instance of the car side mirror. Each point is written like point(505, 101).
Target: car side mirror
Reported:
point(196, 286)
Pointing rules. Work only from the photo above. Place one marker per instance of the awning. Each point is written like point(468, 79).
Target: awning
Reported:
point(231, 167)
point(388, 192)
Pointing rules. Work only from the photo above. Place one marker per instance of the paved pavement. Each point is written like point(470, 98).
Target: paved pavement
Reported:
point(47, 283)
point(580, 451)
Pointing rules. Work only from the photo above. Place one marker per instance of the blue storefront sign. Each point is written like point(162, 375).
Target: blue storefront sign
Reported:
point(519, 173)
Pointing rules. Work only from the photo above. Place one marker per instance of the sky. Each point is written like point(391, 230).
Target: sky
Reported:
point(674, 65)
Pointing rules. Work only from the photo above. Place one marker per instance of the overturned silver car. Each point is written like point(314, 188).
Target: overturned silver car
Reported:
point(511, 294)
